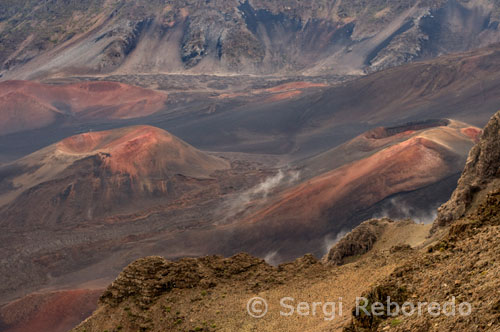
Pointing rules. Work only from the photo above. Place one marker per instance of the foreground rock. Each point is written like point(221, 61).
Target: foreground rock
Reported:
point(481, 174)
point(211, 293)
point(358, 242)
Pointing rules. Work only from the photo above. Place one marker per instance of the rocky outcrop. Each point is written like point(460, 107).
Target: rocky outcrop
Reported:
point(193, 47)
point(146, 279)
point(481, 174)
point(357, 242)
point(461, 266)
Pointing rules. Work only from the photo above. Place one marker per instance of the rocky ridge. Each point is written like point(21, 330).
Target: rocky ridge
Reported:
point(233, 36)
point(481, 174)
point(357, 242)
point(211, 293)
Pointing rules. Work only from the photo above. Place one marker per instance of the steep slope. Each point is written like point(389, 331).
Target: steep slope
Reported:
point(380, 138)
point(479, 177)
point(148, 193)
point(28, 105)
point(463, 265)
point(230, 36)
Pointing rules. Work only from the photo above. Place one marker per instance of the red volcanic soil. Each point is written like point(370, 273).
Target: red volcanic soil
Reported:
point(104, 174)
point(403, 167)
point(472, 132)
point(280, 92)
point(295, 86)
point(290, 90)
point(285, 95)
point(143, 151)
point(44, 312)
point(28, 105)
point(19, 112)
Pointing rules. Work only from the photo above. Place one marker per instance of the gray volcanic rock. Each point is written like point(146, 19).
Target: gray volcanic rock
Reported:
point(234, 36)
point(482, 172)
